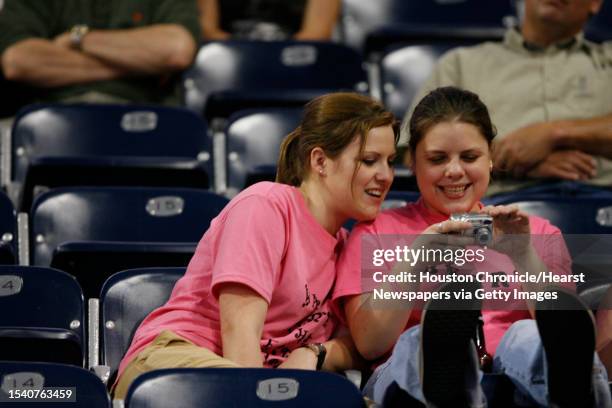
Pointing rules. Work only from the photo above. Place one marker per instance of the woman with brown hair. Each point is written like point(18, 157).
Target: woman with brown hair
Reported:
point(257, 291)
point(433, 359)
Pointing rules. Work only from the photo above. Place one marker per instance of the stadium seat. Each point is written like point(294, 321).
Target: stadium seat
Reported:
point(86, 390)
point(42, 316)
point(242, 387)
point(404, 70)
point(371, 26)
point(232, 75)
point(8, 231)
point(573, 215)
point(585, 222)
point(599, 27)
point(126, 299)
point(253, 143)
point(81, 144)
point(92, 232)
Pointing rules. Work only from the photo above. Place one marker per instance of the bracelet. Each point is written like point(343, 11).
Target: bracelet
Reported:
point(320, 352)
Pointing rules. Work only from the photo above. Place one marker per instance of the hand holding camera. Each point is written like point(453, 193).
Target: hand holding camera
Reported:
point(511, 230)
point(481, 228)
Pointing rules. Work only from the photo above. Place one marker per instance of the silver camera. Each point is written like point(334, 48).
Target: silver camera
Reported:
point(482, 226)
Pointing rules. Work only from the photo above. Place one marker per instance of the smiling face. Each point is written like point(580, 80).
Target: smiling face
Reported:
point(452, 167)
point(358, 181)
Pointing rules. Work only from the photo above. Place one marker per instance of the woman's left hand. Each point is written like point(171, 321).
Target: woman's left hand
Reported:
point(508, 221)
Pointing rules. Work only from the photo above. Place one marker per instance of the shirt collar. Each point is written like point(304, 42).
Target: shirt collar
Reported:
point(515, 41)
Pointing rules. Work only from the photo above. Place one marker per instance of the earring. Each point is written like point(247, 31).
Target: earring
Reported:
point(321, 172)
point(490, 166)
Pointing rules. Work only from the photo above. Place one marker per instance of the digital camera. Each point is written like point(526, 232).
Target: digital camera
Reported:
point(482, 226)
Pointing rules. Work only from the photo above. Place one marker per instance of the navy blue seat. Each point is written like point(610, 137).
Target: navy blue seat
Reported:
point(599, 27)
point(8, 231)
point(585, 222)
point(81, 144)
point(232, 75)
point(371, 26)
point(127, 297)
point(573, 215)
point(404, 70)
point(42, 316)
point(253, 141)
point(92, 232)
point(87, 391)
point(242, 387)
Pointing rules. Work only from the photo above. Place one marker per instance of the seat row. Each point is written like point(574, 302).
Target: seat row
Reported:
point(48, 327)
point(91, 232)
point(48, 324)
point(156, 146)
point(74, 387)
point(67, 145)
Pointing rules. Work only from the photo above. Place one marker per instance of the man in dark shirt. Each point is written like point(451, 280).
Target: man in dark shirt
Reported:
point(99, 50)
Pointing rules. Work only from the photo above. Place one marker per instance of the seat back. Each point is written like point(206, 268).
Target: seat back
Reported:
point(404, 70)
point(362, 17)
point(83, 144)
point(585, 223)
point(599, 27)
point(253, 140)
point(42, 316)
point(127, 297)
point(8, 231)
point(232, 75)
point(77, 387)
point(92, 232)
point(573, 215)
point(242, 387)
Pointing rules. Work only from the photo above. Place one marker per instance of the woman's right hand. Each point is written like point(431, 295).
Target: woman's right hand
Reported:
point(443, 235)
point(447, 227)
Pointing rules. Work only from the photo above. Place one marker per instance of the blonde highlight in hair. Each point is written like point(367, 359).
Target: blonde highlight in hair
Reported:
point(330, 122)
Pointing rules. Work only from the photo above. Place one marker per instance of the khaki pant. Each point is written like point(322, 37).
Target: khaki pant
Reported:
point(168, 350)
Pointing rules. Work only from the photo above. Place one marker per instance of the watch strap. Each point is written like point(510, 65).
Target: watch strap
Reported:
point(320, 351)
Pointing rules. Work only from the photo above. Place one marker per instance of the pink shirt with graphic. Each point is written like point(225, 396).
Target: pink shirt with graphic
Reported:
point(413, 219)
point(267, 239)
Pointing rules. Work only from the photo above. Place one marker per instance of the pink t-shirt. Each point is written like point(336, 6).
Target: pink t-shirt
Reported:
point(413, 219)
point(267, 239)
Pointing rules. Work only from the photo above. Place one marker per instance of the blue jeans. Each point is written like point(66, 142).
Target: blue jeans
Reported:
point(519, 355)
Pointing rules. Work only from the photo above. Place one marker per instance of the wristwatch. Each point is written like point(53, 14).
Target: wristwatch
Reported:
point(77, 32)
point(320, 351)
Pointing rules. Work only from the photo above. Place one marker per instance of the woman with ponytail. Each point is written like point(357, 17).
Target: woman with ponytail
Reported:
point(257, 291)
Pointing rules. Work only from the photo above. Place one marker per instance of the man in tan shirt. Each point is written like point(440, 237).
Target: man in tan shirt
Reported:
point(549, 92)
